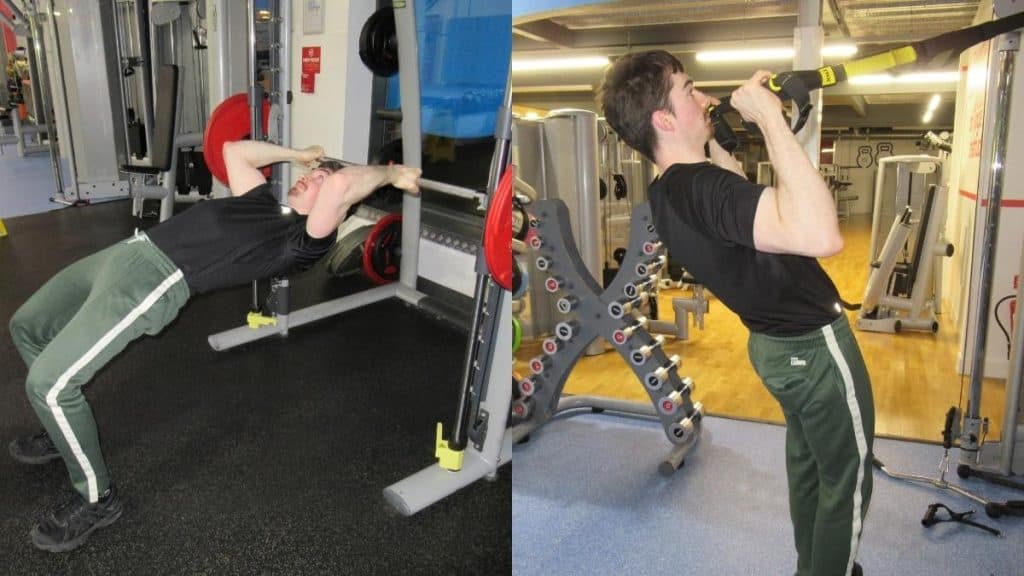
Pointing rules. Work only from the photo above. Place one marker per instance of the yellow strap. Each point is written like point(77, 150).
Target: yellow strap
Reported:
point(255, 320)
point(3, 229)
point(828, 76)
point(880, 62)
point(447, 458)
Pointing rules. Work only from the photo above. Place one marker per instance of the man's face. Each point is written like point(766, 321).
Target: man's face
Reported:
point(690, 108)
point(303, 194)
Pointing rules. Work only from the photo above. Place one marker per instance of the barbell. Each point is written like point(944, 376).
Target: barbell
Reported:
point(230, 122)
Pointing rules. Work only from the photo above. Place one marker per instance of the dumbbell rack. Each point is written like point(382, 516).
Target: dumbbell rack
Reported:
point(611, 313)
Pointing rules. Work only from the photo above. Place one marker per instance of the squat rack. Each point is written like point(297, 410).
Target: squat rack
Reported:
point(487, 392)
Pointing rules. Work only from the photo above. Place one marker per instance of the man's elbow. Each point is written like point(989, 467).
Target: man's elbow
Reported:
point(828, 246)
point(229, 149)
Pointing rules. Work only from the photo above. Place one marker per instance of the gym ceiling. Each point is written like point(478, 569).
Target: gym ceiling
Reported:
point(685, 27)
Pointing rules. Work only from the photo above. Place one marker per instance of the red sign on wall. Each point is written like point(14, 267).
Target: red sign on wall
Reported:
point(311, 60)
point(9, 41)
point(308, 82)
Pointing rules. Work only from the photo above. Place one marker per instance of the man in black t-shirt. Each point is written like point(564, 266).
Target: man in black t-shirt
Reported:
point(755, 247)
point(88, 313)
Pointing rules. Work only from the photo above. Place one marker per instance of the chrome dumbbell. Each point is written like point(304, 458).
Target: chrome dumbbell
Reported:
point(540, 364)
point(526, 386)
point(670, 403)
point(553, 284)
point(641, 354)
point(620, 336)
point(565, 331)
point(567, 304)
point(652, 266)
point(522, 408)
point(655, 379)
point(551, 346)
point(621, 307)
point(684, 427)
point(651, 246)
point(631, 289)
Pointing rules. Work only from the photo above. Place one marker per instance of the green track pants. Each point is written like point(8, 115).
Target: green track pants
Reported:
point(77, 322)
point(820, 380)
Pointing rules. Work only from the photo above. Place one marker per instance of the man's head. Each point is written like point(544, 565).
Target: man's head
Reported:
point(303, 194)
point(645, 93)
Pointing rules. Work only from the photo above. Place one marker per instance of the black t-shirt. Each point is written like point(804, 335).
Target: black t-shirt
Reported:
point(704, 214)
point(230, 241)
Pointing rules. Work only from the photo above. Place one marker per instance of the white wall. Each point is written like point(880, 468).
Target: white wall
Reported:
point(337, 114)
point(860, 158)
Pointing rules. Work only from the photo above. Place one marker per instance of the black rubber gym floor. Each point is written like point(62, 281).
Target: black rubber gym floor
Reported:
point(268, 459)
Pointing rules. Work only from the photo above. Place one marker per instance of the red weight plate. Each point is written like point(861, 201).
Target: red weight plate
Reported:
point(229, 123)
point(375, 234)
point(498, 232)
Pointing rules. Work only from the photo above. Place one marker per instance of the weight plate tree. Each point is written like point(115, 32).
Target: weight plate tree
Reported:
point(612, 313)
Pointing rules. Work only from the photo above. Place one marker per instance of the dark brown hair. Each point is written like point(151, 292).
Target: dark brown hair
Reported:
point(330, 165)
point(635, 86)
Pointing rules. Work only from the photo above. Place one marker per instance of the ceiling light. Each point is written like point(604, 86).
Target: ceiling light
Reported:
point(928, 77)
point(839, 51)
point(745, 55)
point(552, 89)
point(913, 78)
point(762, 54)
point(570, 63)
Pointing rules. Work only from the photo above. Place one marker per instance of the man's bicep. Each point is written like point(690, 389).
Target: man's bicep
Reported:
point(242, 176)
point(768, 231)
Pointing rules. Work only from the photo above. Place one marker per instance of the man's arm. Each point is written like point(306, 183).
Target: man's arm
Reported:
point(244, 158)
point(723, 159)
point(798, 215)
point(341, 190)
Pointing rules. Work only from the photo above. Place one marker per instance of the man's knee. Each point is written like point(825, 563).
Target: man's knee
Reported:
point(19, 324)
point(39, 383)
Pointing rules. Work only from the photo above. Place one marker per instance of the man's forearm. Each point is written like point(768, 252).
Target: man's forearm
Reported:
point(339, 192)
point(259, 154)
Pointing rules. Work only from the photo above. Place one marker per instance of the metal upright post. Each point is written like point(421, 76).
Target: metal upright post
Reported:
point(970, 439)
point(39, 70)
point(409, 90)
point(284, 82)
point(486, 298)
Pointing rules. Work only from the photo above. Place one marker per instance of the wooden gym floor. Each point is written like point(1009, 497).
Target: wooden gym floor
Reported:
point(914, 376)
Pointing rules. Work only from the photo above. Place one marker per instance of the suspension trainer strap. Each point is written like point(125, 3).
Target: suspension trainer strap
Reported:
point(931, 52)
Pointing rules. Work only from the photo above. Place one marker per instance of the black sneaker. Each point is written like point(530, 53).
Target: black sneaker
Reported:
point(71, 524)
point(38, 449)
